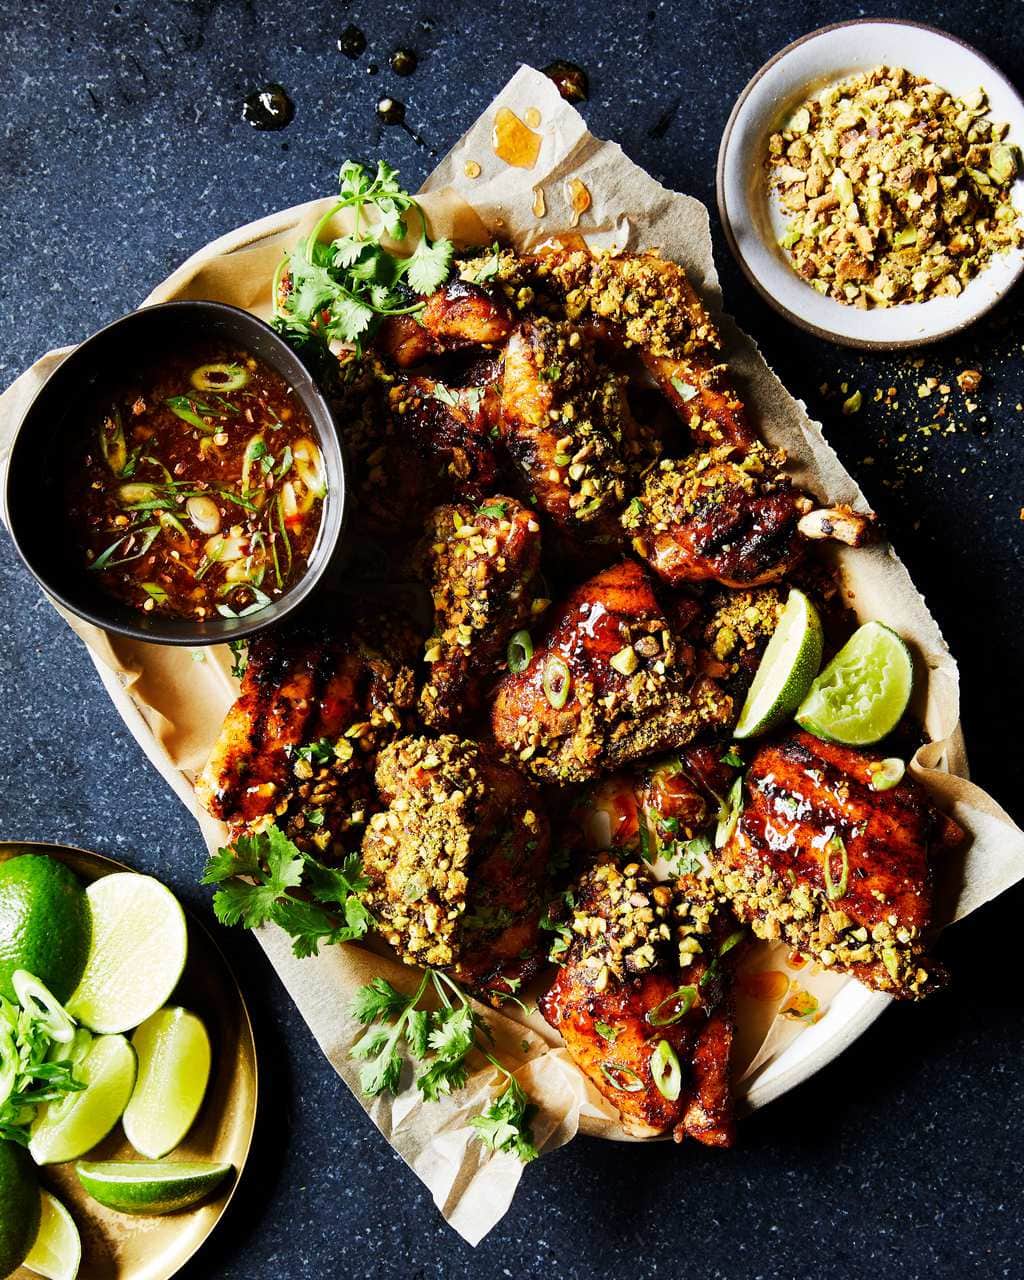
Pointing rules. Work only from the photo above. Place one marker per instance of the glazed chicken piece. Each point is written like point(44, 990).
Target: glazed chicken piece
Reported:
point(451, 431)
point(564, 422)
point(609, 684)
point(480, 563)
point(457, 862)
point(641, 1003)
point(645, 812)
point(839, 871)
point(457, 316)
point(738, 521)
point(302, 736)
point(736, 633)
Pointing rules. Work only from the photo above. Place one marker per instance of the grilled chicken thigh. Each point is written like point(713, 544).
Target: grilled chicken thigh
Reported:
point(457, 316)
point(564, 421)
point(640, 1001)
point(302, 736)
point(838, 870)
point(738, 521)
point(609, 684)
point(457, 862)
point(479, 563)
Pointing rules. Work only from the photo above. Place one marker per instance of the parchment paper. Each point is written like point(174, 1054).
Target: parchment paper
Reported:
point(792, 1021)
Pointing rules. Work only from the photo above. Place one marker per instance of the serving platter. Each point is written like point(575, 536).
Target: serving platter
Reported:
point(117, 1246)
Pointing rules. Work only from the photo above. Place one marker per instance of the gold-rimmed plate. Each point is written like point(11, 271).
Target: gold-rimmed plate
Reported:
point(118, 1246)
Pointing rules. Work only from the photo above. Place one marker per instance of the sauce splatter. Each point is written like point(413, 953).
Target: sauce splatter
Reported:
point(352, 42)
point(532, 117)
point(539, 207)
point(766, 984)
point(391, 111)
point(569, 79)
point(514, 141)
point(404, 62)
point(579, 200)
point(268, 108)
point(471, 169)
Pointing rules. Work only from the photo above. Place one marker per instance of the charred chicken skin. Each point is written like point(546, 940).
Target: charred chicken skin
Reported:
point(609, 684)
point(479, 563)
point(640, 1002)
point(564, 421)
point(304, 732)
point(457, 862)
point(839, 871)
point(457, 316)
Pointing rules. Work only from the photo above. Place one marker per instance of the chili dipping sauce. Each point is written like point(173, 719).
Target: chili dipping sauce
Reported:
point(200, 486)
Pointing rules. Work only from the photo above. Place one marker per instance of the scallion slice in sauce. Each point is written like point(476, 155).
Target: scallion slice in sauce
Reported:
point(666, 1072)
point(673, 1007)
point(557, 681)
point(834, 888)
point(520, 651)
point(219, 377)
point(621, 1077)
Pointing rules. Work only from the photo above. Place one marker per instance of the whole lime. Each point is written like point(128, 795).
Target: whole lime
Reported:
point(44, 923)
point(19, 1206)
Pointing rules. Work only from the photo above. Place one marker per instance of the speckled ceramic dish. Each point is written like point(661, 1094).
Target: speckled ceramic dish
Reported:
point(116, 1246)
point(754, 224)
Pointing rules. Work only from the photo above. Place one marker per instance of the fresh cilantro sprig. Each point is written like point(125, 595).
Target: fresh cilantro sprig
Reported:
point(441, 1040)
point(25, 1047)
point(261, 878)
point(343, 289)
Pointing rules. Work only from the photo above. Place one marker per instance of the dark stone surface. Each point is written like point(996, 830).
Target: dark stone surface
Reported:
point(123, 151)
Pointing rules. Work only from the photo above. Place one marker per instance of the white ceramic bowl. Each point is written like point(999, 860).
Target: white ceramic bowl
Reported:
point(753, 223)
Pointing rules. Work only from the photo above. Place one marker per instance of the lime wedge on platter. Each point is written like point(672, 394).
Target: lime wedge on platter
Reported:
point(150, 1186)
point(69, 1128)
point(174, 1067)
point(57, 1252)
point(862, 694)
point(789, 664)
point(136, 955)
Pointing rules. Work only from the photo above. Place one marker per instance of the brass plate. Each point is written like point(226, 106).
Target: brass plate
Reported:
point(119, 1246)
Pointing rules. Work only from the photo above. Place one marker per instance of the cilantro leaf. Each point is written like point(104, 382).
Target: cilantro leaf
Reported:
point(429, 265)
point(504, 1125)
point(378, 999)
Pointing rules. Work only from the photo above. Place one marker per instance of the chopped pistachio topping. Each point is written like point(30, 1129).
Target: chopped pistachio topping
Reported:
point(899, 191)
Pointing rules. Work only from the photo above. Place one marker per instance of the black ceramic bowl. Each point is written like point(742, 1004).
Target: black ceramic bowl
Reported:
point(34, 495)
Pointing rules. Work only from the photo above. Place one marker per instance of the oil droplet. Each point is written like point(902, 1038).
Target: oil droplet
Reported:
point(372, 68)
point(532, 117)
point(351, 42)
point(471, 169)
point(579, 200)
point(767, 984)
point(391, 111)
point(404, 62)
point(513, 141)
point(268, 108)
point(570, 80)
point(539, 207)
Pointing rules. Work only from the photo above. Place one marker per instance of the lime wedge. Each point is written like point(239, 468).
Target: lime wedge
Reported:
point(174, 1067)
point(789, 664)
point(136, 954)
point(864, 690)
point(72, 1126)
point(57, 1251)
point(150, 1186)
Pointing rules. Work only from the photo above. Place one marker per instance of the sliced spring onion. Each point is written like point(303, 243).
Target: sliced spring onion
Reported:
point(309, 464)
point(557, 681)
point(132, 495)
point(683, 390)
point(112, 443)
point(621, 1077)
point(729, 813)
point(284, 532)
point(673, 1007)
point(520, 651)
point(155, 591)
point(888, 774)
point(9, 1062)
point(203, 513)
point(733, 940)
point(836, 888)
point(105, 559)
point(187, 410)
point(171, 524)
point(666, 1072)
point(42, 1006)
point(254, 450)
point(219, 377)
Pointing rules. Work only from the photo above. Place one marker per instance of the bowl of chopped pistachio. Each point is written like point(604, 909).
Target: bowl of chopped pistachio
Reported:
point(870, 183)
